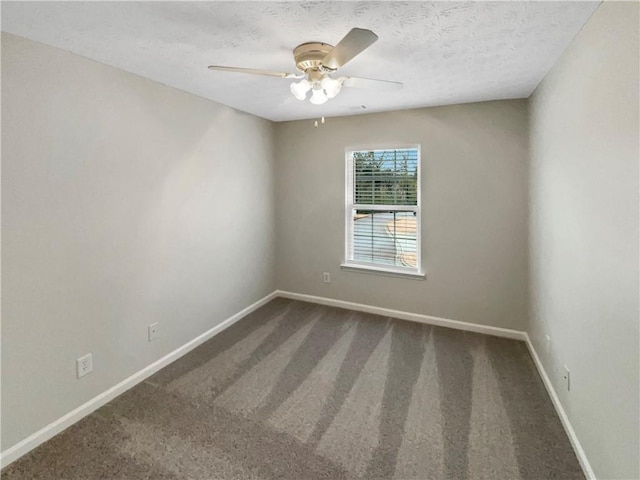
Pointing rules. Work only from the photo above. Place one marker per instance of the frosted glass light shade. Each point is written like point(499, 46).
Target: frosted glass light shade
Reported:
point(318, 97)
point(300, 89)
point(331, 87)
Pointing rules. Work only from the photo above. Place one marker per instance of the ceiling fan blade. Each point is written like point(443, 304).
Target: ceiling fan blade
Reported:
point(254, 71)
point(373, 84)
point(354, 42)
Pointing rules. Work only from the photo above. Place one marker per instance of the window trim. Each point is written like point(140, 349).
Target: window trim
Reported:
point(381, 269)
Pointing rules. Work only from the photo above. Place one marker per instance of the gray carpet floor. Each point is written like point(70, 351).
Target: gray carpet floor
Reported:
point(303, 391)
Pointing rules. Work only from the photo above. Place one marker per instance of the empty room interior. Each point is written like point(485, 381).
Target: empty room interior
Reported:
point(320, 240)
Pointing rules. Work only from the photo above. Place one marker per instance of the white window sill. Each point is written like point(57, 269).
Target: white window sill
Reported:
point(350, 267)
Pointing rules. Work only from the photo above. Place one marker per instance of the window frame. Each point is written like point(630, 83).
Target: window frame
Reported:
point(350, 264)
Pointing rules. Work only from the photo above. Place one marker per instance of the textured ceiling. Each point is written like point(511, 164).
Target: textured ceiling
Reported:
point(444, 52)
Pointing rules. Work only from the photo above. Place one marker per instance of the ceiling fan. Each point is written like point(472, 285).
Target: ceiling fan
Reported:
point(318, 61)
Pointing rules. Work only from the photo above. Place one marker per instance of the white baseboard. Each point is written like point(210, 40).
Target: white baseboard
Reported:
point(573, 438)
point(44, 434)
point(414, 317)
point(472, 327)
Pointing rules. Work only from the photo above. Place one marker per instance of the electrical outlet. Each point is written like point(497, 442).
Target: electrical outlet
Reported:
point(326, 277)
point(154, 331)
point(567, 378)
point(547, 343)
point(84, 365)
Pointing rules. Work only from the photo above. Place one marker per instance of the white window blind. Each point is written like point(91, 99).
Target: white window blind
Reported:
point(383, 209)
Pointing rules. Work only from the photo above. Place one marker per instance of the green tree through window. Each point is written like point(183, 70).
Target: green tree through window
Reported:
point(387, 177)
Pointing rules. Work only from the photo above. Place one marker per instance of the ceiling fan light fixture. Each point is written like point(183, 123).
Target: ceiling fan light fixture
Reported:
point(300, 89)
point(317, 61)
point(331, 86)
point(318, 97)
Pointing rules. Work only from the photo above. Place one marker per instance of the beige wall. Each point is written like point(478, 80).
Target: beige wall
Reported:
point(584, 235)
point(474, 216)
point(124, 202)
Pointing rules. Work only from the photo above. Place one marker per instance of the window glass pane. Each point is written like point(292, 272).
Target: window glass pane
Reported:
point(385, 237)
point(386, 177)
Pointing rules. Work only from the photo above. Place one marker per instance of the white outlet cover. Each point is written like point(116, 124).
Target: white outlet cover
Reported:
point(154, 331)
point(84, 365)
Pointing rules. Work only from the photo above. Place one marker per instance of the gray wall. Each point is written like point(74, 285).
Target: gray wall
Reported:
point(584, 235)
point(474, 216)
point(124, 202)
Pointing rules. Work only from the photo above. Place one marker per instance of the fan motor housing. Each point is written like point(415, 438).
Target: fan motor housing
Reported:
point(308, 56)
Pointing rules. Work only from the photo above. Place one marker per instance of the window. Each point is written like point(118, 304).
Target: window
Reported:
point(383, 211)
